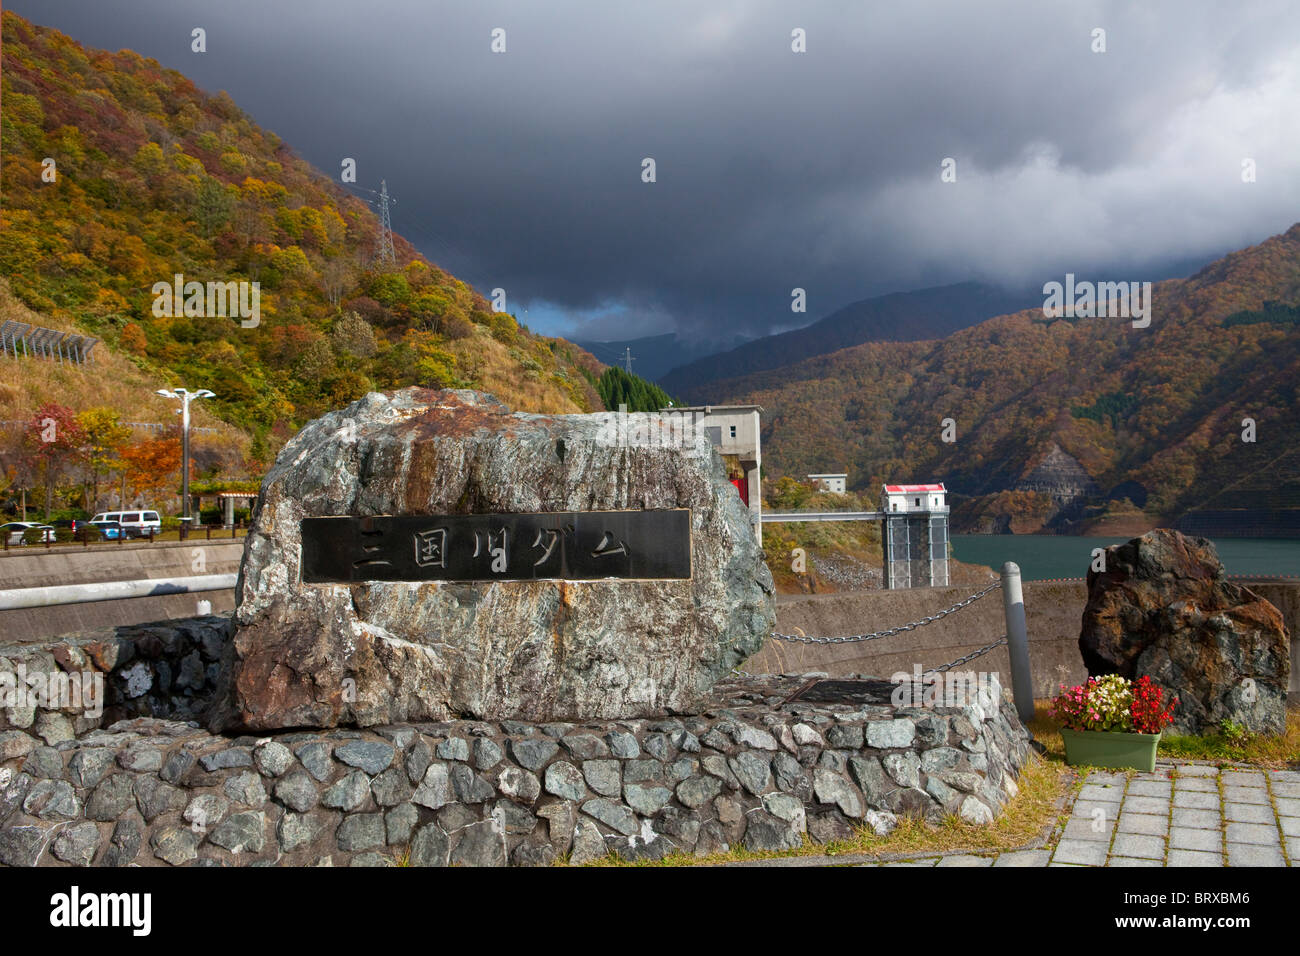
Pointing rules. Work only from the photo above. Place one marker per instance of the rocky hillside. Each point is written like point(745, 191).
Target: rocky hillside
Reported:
point(120, 174)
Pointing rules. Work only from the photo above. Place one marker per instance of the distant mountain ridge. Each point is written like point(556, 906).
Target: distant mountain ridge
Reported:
point(1153, 415)
point(898, 317)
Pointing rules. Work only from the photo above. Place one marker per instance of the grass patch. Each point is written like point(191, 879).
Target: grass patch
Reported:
point(1230, 745)
point(1041, 783)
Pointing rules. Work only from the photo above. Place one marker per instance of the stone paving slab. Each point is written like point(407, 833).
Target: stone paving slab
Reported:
point(1173, 817)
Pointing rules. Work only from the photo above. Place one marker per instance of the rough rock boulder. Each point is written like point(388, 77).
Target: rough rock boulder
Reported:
point(377, 652)
point(1164, 608)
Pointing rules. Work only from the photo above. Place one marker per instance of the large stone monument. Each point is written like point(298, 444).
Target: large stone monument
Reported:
point(432, 555)
point(1163, 608)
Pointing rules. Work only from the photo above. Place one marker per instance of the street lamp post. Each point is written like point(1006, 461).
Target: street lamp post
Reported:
point(185, 396)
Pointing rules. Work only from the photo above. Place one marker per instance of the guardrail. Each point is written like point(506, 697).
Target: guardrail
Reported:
point(85, 537)
point(792, 516)
point(15, 599)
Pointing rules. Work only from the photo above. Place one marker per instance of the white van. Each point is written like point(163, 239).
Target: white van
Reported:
point(135, 524)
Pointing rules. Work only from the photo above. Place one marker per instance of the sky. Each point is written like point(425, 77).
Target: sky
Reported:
point(774, 169)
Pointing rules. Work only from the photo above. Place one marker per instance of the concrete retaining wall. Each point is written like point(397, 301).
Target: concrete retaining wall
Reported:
point(32, 567)
point(1053, 611)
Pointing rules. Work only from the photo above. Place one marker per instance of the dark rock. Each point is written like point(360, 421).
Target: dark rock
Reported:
point(1164, 609)
point(832, 788)
point(613, 815)
point(177, 765)
point(296, 791)
point(845, 737)
point(15, 743)
point(644, 771)
point(418, 759)
point(242, 832)
point(175, 845)
point(348, 794)
point(13, 795)
point(766, 833)
point(528, 854)
point(228, 758)
point(399, 823)
point(52, 800)
point(296, 829)
point(790, 776)
point(457, 816)
point(140, 758)
point(585, 746)
point(156, 798)
point(391, 787)
point(565, 781)
point(487, 754)
point(245, 788)
point(420, 651)
point(716, 765)
point(696, 792)
point(829, 827)
point(21, 846)
point(454, 748)
point(125, 842)
point(112, 798)
point(753, 771)
point(870, 776)
point(273, 758)
point(479, 845)
point(361, 831)
point(371, 756)
point(532, 753)
point(683, 826)
point(603, 776)
point(469, 786)
point(623, 745)
point(908, 802)
point(646, 801)
point(520, 784)
point(429, 847)
point(315, 757)
point(713, 839)
point(513, 817)
point(44, 763)
point(89, 764)
point(435, 789)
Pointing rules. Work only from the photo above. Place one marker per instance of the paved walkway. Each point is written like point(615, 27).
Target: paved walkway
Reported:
point(1180, 815)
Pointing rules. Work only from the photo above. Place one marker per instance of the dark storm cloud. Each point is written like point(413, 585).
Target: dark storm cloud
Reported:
point(820, 170)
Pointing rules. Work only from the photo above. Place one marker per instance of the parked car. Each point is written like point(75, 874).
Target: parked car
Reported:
point(140, 524)
point(26, 532)
point(134, 524)
point(98, 530)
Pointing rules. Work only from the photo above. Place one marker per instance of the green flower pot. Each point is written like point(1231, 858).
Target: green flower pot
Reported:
point(1110, 748)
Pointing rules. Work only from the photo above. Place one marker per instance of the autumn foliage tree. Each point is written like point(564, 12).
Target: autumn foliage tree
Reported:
point(54, 443)
point(105, 437)
point(151, 466)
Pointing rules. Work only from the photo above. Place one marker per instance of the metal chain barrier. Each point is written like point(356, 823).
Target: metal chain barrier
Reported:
point(877, 635)
point(969, 657)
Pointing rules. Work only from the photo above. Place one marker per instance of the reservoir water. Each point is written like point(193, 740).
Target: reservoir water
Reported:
point(1042, 556)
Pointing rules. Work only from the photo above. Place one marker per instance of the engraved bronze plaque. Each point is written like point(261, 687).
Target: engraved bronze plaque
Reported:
point(561, 546)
